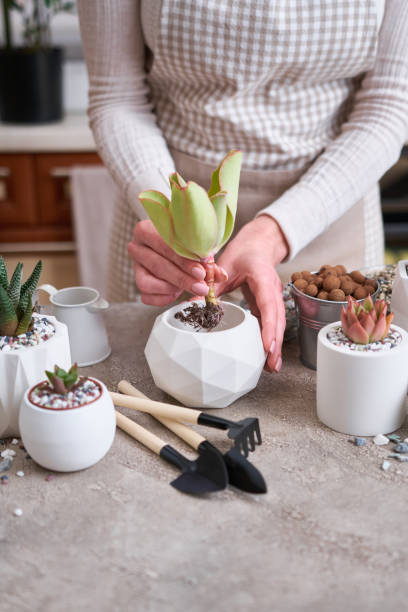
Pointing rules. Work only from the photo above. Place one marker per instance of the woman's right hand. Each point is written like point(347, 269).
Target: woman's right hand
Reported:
point(160, 274)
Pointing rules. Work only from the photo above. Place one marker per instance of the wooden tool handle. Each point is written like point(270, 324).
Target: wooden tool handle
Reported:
point(178, 413)
point(140, 434)
point(182, 431)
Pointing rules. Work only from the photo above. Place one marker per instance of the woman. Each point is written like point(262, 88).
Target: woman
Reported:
point(314, 93)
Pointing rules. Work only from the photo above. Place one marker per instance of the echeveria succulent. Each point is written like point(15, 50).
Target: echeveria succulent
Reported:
point(62, 381)
point(366, 322)
point(195, 223)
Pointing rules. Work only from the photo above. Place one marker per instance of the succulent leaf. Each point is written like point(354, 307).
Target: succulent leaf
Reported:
point(219, 201)
point(365, 323)
point(3, 274)
point(25, 321)
point(8, 317)
point(14, 288)
point(32, 281)
point(226, 178)
point(62, 381)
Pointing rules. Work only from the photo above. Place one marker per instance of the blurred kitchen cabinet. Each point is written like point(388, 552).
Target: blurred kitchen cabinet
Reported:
point(35, 199)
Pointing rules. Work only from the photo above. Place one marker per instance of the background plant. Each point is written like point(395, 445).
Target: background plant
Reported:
point(36, 16)
point(62, 381)
point(16, 299)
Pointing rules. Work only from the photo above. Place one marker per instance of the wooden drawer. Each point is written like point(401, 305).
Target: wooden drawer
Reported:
point(17, 191)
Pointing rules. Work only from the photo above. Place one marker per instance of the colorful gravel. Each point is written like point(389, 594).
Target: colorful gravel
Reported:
point(41, 331)
point(385, 277)
point(337, 337)
point(86, 391)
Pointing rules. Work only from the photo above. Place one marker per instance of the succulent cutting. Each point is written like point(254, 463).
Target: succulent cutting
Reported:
point(367, 322)
point(195, 223)
point(62, 381)
point(16, 299)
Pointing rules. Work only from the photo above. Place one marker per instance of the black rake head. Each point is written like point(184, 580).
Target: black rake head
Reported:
point(246, 434)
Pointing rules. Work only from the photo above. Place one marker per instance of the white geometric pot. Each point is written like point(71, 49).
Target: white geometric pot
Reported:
point(361, 393)
point(206, 369)
point(22, 368)
point(68, 440)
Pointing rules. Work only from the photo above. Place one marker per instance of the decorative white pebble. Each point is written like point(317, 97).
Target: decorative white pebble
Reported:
point(385, 465)
point(14, 441)
point(406, 440)
point(380, 440)
point(8, 453)
point(18, 512)
point(20, 473)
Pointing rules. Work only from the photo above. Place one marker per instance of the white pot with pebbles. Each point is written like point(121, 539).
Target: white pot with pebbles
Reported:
point(362, 372)
point(67, 422)
point(29, 344)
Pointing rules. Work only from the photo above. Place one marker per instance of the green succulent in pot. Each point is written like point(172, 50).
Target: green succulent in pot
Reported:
point(197, 223)
point(16, 299)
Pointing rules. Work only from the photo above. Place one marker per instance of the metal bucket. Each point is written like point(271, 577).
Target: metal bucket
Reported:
point(313, 314)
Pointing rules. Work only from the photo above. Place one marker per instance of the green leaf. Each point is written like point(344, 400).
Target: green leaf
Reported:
point(32, 281)
point(226, 178)
point(13, 290)
point(219, 201)
point(3, 274)
point(194, 219)
point(25, 320)
point(8, 317)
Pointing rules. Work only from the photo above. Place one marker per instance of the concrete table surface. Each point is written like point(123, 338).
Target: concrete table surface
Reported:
point(330, 534)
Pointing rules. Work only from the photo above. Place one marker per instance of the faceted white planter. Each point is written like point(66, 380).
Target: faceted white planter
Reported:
point(22, 368)
point(361, 393)
point(206, 369)
point(68, 440)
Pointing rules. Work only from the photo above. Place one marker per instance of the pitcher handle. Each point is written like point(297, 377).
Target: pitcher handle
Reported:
point(99, 305)
point(50, 289)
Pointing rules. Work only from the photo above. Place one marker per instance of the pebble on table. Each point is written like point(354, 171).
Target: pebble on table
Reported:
point(18, 512)
point(380, 440)
point(385, 465)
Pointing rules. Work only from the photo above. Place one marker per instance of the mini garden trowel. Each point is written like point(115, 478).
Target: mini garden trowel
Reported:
point(206, 474)
point(241, 473)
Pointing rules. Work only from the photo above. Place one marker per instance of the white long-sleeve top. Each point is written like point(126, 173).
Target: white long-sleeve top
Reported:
point(317, 85)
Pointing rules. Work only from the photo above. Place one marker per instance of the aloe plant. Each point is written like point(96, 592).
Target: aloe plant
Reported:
point(62, 381)
point(15, 299)
point(367, 322)
point(195, 223)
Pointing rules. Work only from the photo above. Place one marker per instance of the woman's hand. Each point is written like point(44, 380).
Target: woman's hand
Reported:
point(250, 260)
point(160, 273)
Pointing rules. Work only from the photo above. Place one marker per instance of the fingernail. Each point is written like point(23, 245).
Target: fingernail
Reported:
point(278, 365)
point(200, 288)
point(198, 272)
point(224, 273)
point(271, 350)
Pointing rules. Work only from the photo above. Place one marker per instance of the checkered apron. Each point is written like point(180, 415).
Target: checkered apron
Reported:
point(274, 78)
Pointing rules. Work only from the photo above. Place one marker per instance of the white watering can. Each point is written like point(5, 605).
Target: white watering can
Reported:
point(399, 298)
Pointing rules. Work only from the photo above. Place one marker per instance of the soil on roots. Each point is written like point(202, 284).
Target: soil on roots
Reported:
point(201, 317)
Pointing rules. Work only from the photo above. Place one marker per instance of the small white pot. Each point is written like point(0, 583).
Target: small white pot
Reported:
point(68, 440)
point(361, 393)
point(23, 368)
point(206, 369)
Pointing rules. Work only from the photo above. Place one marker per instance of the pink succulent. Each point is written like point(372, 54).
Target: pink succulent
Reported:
point(366, 322)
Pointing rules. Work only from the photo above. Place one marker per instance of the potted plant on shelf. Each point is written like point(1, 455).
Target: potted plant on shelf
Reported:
point(67, 422)
point(29, 342)
point(362, 371)
point(203, 353)
point(31, 75)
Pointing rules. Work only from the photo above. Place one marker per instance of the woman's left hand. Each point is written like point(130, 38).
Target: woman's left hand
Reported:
point(250, 260)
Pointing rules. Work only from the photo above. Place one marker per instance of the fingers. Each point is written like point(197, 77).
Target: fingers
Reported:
point(164, 270)
point(266, 288)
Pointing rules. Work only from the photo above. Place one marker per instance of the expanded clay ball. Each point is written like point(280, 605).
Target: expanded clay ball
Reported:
point(305, 274)
point(295, 276)
point(360, 293)
point(340, 269)
point(324, 268)
point(347, 286)
point(323, 295)
point(369, 288)
point(371, 282)
point(331, 282)
point(318, 281)
point(337, 295)
point(311, 290)
point(358, 277)
point(300, 284)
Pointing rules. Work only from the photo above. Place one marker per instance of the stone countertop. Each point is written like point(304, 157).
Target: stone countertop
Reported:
point(330, 534)
point(72, 134)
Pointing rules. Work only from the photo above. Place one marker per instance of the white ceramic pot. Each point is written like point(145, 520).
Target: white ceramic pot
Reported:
point(206, 369)
point(68, 440)
point(361, 393)
point(399, 298)
point(22, 368)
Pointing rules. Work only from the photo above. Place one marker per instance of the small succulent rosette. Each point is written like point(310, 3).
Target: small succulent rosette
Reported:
point(362, 371)
point(67, 422)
